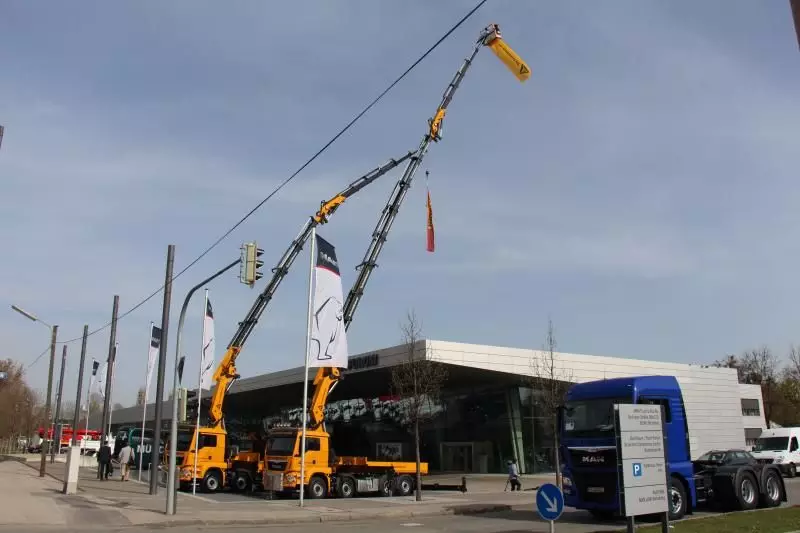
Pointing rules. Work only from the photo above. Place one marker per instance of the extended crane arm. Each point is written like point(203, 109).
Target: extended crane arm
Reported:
point(226, 374)
point(327, 377)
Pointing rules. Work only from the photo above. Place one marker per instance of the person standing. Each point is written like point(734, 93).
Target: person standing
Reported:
point(104, 460)
point(126, 458)
point(513, 475)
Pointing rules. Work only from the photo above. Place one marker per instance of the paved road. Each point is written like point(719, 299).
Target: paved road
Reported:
point(515, 521)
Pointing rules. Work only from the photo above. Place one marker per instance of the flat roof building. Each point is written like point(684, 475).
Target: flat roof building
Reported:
point(487, 411)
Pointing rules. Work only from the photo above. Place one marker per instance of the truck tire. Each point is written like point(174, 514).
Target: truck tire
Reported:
point(773, 489)
point(678, 504)
point(317, 488)
point(386, 487)
point(346, 487)
point(242, 482)
point(212, 482)
point(746, 490)
point(404, 485)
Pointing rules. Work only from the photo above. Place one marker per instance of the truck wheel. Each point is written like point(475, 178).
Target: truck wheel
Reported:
point(404, 486)
point(212, 482)
point(317, 488)
point(241, 482)
point(386, 486)
point(773, 490)
point(346, 487)
point(677, 499)
point(746, 491)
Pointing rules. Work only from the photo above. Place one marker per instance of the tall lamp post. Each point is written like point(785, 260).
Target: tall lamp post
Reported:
point(53, 333)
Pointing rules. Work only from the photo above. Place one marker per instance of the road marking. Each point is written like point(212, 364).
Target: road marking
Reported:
point(411, 524)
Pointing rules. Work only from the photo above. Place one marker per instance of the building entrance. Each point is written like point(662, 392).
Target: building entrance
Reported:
point(457, 457)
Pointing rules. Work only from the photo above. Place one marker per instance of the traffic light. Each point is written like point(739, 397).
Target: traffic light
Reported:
point(249, 270)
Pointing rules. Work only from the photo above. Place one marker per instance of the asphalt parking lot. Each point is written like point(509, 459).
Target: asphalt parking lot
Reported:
point(230, 497)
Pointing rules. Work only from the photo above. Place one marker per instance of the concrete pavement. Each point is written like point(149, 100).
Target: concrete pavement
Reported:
point(38, 502)
point(34, 503)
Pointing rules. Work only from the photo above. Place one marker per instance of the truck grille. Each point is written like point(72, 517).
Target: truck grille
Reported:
point(593, 457)
point(765, 461)
point(597, 487)
point(278, 466)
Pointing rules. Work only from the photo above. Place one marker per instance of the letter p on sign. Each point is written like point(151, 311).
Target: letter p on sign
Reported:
point(637, 469)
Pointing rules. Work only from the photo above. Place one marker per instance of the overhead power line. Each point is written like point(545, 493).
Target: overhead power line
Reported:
point(296, 172)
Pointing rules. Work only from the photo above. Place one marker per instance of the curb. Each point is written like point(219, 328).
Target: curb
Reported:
point(13, 458)
point(345, 516)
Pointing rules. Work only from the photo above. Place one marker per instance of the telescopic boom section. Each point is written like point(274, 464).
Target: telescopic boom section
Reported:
point(327, 377)
point(389, 213)
point(226, 374)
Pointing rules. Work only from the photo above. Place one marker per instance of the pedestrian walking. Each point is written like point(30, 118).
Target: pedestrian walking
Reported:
point(513, 475)
point(126, 458)
point(104, 460)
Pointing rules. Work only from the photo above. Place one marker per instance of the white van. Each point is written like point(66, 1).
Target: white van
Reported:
point(779, 446)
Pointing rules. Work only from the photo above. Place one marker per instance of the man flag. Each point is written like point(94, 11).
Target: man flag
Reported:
point(328, 346)
point(155, 346)
point(100, 384)
point(207, 357)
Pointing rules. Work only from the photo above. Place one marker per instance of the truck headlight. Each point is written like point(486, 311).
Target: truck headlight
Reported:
point(567, 482)
point(289, 479)
point(778, 460)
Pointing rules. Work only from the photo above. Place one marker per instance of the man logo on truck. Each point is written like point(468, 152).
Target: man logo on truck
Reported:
point(593, 459)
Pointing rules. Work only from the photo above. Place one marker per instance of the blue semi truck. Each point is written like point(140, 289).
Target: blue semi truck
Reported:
point(719, 472)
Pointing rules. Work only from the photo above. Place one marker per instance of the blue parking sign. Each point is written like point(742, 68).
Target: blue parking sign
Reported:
point(549, 502)
point(637, 469)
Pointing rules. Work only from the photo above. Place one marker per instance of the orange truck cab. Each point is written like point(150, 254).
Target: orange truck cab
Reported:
point(327, 475)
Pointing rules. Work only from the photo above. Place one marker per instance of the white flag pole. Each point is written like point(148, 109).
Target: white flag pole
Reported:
point(308, 353)
point(89, 406)
point(199, 389)
point(144, 403)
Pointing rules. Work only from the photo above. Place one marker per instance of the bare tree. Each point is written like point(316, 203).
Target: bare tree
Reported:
point(760, 367)
point(21, 408)
point(731, 361)
point(550, 381)
point(418, 381)
point(794, 359)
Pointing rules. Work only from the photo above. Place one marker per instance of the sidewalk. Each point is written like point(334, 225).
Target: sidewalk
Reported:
point(35, 501)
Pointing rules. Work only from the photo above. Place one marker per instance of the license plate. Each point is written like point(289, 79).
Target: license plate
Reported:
point(596, 490)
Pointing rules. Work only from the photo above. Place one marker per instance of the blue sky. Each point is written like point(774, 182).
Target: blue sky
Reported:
point(640, 188)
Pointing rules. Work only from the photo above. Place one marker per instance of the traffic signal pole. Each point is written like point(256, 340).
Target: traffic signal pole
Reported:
point(172, 475)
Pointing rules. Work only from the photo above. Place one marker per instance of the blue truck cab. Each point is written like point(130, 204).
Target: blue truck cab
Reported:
point(588, 445)
point(730, 478)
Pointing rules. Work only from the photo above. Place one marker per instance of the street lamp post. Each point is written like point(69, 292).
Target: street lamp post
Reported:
point(172, 473)
point(53, 335)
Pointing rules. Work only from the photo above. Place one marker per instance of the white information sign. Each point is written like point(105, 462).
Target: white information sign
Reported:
point(644, 470)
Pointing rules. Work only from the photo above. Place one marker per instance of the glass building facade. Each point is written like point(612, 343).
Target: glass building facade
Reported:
point(477, 424)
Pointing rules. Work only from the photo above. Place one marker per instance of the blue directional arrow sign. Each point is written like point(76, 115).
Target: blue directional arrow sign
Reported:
point(549, 501)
